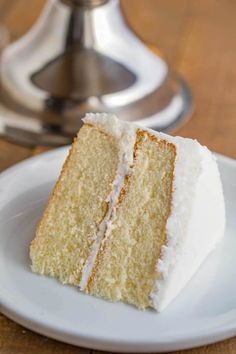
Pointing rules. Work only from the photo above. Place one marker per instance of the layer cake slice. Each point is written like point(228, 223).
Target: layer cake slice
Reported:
point(133, 215)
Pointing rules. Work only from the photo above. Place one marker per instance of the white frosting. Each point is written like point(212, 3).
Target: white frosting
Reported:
point(196, 221)
point(125, 136)
point(195, 225)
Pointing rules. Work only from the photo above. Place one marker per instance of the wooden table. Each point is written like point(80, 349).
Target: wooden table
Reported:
point(199, 40)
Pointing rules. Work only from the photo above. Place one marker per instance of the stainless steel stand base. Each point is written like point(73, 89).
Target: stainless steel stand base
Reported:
point(82, 57)
point(32, 131)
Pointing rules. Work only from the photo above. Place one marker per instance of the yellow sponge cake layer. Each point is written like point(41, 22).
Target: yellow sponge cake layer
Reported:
point(68, 228)
point(126, 265)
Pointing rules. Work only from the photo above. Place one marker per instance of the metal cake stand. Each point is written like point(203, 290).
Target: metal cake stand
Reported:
point(81, 56)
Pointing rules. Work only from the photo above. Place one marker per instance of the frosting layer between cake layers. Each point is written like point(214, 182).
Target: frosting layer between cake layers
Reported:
point(125, 136)
point(196, 221)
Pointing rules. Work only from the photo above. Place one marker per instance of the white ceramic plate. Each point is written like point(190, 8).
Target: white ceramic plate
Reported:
point(204, 312)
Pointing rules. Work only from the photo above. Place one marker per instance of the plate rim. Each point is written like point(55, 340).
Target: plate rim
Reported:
point(39, 326)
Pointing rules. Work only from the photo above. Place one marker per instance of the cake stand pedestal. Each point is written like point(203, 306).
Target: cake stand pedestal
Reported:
point(81, 56)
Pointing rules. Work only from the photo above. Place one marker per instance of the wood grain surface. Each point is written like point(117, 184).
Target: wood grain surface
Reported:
point(198, 38)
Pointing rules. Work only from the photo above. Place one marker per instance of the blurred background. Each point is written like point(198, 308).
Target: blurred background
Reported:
point(198, 40)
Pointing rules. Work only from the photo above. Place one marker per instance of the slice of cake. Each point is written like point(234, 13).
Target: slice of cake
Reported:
point(133, 214)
